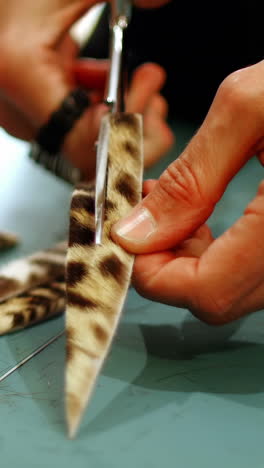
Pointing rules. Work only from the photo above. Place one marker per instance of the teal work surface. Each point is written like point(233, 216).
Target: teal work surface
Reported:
point(173, 392)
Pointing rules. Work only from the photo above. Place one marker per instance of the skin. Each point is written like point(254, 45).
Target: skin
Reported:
point(179, 262)
point(220, 279)
point(37, 48)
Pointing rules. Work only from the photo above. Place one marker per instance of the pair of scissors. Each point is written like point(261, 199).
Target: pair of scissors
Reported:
point(120, 17)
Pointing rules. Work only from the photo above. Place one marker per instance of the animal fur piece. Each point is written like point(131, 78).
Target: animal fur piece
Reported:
point(32, 289)
point(25, 273)
point(98, 276)
point(35, 305)
point(8, 240)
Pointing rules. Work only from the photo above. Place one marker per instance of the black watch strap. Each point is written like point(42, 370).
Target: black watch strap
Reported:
point(52, 134)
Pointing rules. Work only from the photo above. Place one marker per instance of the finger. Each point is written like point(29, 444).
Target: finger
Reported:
point(68, 48)
point(147, 80)
point(228, 274)
point(152, 271)
point(158, 137)
point(253, 302)
point(91, 73)
point(196, 245)
point(79, 144)
point(159, 106)
point(148, 185)
point(261, 158)
point(189, 189)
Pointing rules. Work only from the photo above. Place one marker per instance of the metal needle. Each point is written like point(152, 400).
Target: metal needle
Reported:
point(33, 354)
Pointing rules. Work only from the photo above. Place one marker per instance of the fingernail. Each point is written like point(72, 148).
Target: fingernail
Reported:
point(137, 227)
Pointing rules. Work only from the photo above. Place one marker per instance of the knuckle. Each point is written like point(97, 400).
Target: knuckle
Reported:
point(180, 183)
point(256, 206)
point(241, 92)
point(213, 310)
point(261, 187)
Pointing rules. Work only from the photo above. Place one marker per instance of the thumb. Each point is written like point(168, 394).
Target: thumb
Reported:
point(186, 193)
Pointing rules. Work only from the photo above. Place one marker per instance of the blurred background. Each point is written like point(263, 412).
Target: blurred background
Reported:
point(198, 43)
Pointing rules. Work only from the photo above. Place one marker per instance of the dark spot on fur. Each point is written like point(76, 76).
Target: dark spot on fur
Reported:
point(131, 149)
point(52, 268)
point(57, 251)
point(112, 266)
point(69, 351)
point(125, 186)
point(18, 320)
point(80, 234)
point(87, 352)
point(69, 346)
point(127, 120)
point(74, 403)
point(109, 207)
point(83, 202)
point(44, 301)
point(59, 279)
point(69, 334)
point(40, 300)
point(24, 294)
point(8, 285)
point(59, 291)
point(100, 333)
point(75, 272)
point(78, 300)
point(32, 315)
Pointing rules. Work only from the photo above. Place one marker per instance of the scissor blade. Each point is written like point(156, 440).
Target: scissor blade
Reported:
point(120, 17)
point(121, 8)
point(101, 177)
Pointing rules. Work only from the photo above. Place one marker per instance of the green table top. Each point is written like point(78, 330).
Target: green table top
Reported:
point(173, 392)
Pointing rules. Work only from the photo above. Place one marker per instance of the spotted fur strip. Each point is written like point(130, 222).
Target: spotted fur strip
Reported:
point(28, 272)
point(98, 276)
point(33, 306)
point(8, 240)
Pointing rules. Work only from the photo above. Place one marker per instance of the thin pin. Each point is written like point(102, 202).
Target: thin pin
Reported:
point(33, 354)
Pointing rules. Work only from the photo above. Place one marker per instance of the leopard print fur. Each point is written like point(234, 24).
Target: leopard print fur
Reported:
point(33, 306)
point(98, 276)
point(32, 289)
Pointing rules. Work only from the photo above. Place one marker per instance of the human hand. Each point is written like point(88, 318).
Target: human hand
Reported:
point(179, 262)
point(39, 68)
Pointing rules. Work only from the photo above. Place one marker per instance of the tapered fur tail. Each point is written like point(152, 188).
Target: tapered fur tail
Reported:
point(98, 276)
